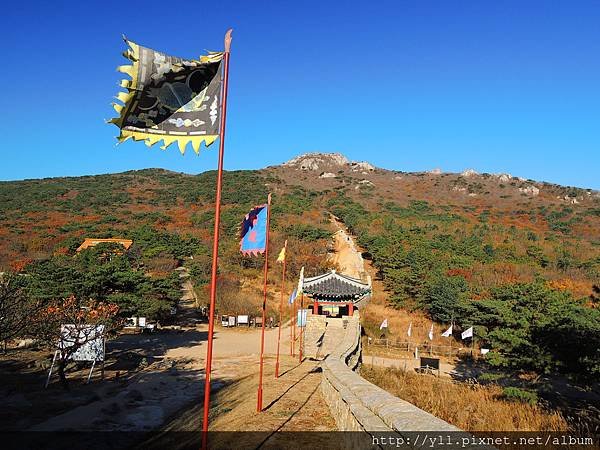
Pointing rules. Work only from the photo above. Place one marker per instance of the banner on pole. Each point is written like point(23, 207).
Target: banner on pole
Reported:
point(448, 332)
point(384, 324)
point(467, 334)
point(169, 99)
point(430, 335)
point(300, 281)
point(301, 322)
point(293, 296)
point(253, 234)
point(281, 257)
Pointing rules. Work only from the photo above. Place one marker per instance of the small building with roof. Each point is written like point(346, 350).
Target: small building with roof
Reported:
point(92, 242)
point(334, 294)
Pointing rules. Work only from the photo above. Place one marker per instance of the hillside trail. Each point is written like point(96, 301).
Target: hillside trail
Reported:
point(187, 307)
point(346, 257)
point(293, 402)
point(167, 394)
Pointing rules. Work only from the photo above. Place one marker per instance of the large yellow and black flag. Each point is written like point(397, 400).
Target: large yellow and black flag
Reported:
point(169, 99)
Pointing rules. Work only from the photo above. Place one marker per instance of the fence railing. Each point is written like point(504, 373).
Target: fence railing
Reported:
point(423, 348)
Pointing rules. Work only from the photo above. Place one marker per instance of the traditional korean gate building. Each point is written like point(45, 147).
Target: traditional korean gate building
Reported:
point(334, 294)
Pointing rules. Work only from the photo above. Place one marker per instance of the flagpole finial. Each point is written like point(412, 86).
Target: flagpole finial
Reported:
point(228, 40)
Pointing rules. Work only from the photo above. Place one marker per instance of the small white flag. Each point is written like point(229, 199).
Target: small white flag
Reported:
point(409, 332)
point(485, 351)
point(383, 325)
point(431, 332)
point(448, 332)
point(300, 282)
point(467, 334)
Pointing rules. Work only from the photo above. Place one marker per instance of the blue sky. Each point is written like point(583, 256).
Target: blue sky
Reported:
point(502, 86)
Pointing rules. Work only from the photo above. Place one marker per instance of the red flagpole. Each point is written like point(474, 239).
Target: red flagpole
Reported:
point(294, 320)
point(302, 321)
point(281, 307)
point(213, 279)
point(259, 396)
point(292, 324)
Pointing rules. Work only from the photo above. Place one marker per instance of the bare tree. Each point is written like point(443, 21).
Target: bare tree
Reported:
point(71, 324)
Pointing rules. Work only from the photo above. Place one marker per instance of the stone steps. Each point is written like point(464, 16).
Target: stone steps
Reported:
point(313, 334)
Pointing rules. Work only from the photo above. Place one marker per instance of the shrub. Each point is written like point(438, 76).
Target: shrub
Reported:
point(516, 394)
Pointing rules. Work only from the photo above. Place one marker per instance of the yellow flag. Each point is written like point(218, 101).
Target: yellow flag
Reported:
point(281, 256)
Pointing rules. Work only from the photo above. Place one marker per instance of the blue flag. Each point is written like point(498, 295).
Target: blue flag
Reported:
point(254, 231)
point(292, 296)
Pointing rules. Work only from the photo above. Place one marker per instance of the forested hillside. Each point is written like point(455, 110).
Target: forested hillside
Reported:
point(518, 259)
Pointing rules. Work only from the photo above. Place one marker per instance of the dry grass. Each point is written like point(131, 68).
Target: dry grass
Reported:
point(469, 407)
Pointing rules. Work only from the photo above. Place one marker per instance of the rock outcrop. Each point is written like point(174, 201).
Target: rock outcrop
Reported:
point(328, 163)
point(530, 190)
point(469, 173)
point(318, 161)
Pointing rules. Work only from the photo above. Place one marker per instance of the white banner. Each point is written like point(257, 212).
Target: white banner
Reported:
point(468, 333)
point(448, 332)
point(300, 281)
point(302, 317)
point(384, 324)
point(242, 320)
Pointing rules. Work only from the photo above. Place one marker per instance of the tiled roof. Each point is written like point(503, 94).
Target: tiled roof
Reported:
point(92, 242)
point(333, 285)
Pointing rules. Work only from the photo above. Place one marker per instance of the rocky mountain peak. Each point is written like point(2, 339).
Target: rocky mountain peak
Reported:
point(327, 162)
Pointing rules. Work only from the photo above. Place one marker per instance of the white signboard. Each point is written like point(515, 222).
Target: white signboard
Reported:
point(224, 321)
point(142, 322)
point(242, 320)
point(232, 321)
point(131, 322)
point(89, 339)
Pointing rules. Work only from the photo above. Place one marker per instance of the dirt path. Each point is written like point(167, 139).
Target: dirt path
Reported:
point(174, 378)
point(170, 388)
point(347, 257)
point(293, 402)
point(187, 313)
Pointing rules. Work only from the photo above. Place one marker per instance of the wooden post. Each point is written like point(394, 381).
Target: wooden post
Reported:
point(215, 250)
